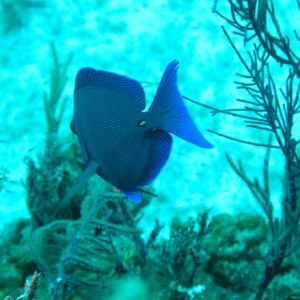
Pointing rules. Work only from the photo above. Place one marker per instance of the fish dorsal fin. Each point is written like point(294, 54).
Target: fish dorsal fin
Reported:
point(90, 170)
point(122, 85)
point(158, 155)
point(170, 112)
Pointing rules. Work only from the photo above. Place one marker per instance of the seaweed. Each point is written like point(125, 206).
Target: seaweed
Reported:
point(54, 103)
point(47, 182)
point(52, 174)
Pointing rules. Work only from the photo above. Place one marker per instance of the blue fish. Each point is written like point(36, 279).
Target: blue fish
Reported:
point(120, 141)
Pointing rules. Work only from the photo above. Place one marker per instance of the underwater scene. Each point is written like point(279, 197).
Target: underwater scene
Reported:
point(150, 150)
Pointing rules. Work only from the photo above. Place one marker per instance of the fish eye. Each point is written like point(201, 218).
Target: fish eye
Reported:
point(141, 123)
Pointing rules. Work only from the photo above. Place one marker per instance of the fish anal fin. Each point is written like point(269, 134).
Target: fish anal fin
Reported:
point(133, 195)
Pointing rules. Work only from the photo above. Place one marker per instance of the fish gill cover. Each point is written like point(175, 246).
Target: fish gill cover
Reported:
point(176, 245)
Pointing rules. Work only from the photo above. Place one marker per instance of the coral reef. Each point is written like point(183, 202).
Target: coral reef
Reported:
point(236, 247)
point(102, 254)
point(16, 260)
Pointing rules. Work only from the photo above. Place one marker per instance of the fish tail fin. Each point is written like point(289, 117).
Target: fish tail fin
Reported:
point(169, 111)
point(87, 173)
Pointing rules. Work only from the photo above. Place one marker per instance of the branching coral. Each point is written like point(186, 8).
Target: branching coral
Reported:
point(273, 108)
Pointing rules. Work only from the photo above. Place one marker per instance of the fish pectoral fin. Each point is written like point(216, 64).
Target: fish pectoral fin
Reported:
point(133, 195)
point(161, 145)
point(90, 170)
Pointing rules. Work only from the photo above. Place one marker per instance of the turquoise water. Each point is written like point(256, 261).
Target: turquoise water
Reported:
point(136, 39)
